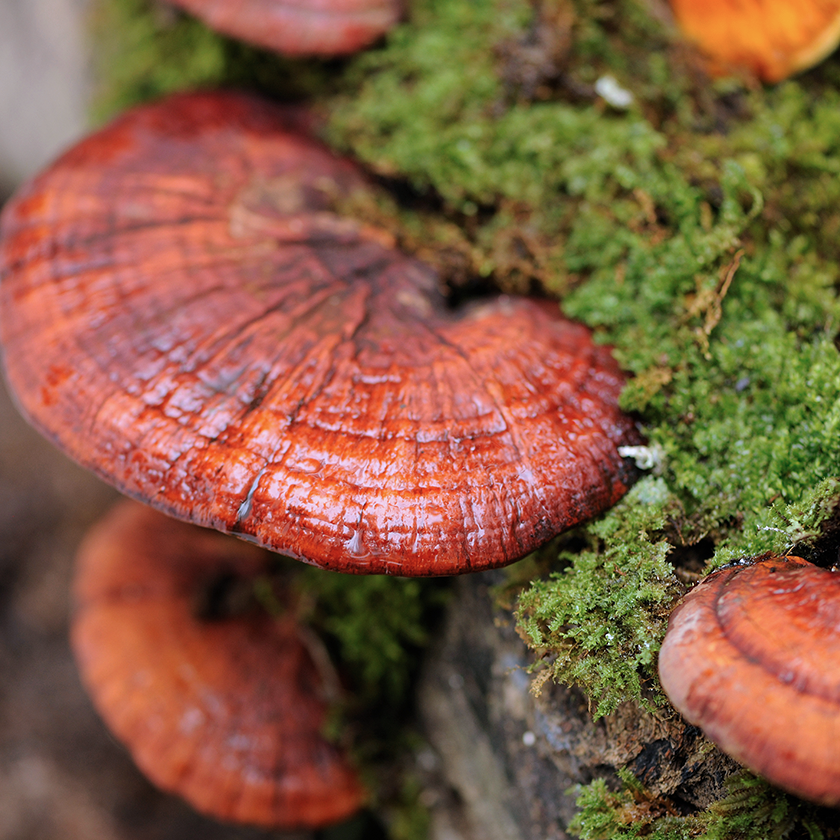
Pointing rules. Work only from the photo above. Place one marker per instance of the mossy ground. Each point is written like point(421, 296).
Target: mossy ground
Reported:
point(752, 810)
point(696, 230)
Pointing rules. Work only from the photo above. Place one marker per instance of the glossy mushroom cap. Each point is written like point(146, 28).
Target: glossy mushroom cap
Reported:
point(184, 313)
point(299, 27)
point(772, 39)
point(752, 657)
point(226, 713)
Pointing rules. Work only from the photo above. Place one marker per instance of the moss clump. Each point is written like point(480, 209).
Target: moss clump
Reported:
point(752, 810)
point(613, 596)
point(378, 625)
point(433, 109)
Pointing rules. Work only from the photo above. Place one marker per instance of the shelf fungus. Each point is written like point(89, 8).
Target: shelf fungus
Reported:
point(772, 39)
point(183, 311)
point(752, 657)
point(224, 706)
point(299, 27)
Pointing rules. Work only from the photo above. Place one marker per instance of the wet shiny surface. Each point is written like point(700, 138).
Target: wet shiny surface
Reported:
point(182, 312)
point(752, 656)
point(227, 713)
point(299, 27)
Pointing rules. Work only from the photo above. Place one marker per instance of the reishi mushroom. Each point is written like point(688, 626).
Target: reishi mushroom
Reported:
point(772, 39)
point(183, 311)
point(299, 27)
point(752, 657)
point(228, 711)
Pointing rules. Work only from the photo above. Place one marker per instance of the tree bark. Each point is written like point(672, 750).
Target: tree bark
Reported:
point(512, 760)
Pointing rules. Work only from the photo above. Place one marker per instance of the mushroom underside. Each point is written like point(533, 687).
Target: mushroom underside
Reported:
point(300, 27)
point(228, 712)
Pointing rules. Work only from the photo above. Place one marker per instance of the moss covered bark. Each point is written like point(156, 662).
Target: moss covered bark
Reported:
point(695, 228)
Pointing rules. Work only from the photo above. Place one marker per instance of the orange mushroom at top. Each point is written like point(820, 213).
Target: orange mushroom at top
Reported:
point(299, 27)
point(183, 310)
point(752, 657)
point(772, 39)
point(224, 706)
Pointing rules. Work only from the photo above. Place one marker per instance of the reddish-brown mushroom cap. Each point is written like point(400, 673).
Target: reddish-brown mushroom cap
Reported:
point(299, 27)
point(227, 713)
point(752, 656)
point(182, 311)
point(772, 39)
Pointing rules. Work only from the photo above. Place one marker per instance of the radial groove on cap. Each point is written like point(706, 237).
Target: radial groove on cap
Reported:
point(182, 311)
point(752, 656)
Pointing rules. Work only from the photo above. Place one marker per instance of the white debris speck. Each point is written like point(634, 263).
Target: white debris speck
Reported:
point(529, 739)
point(646, 457)
point(612, 92)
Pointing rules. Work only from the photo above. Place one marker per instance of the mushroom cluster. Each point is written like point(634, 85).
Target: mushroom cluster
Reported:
point(186, 312)
point(752, 656)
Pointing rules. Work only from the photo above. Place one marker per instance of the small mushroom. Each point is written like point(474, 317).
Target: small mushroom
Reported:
point(226, 711)
point(772, 39)
point(299, 27)
point(752, 657)
point(185, 313)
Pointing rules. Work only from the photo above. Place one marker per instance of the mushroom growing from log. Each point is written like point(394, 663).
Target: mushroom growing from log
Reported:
point(184, 312)
point(752, 657)
point(772, 39)
point(225, 710)
point(299, 27)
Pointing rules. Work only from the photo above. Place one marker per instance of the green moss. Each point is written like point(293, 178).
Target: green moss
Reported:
point(752, 810)
point(612, 597)
point(411, 820)
point(432, 109)
point(378, 625)
point(739, 377)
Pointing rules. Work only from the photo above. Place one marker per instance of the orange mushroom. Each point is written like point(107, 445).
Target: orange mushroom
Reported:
point(752, 657)
point(227, 712)
point(772, 39)
point(299, 27)
point(184, 312)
